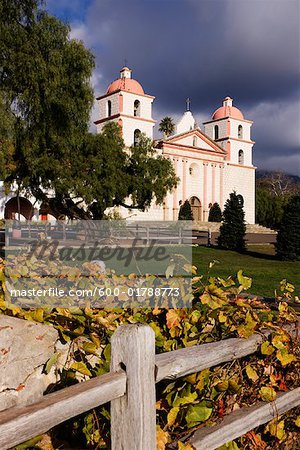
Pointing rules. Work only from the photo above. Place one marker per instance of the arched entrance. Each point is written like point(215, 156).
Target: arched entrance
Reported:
point(18, 208)
point(196, 208)
point(45, 213)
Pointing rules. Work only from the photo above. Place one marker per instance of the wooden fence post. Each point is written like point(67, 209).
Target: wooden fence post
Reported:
point(133, 416)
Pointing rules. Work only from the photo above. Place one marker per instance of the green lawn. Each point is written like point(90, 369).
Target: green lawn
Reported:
point(259, 263)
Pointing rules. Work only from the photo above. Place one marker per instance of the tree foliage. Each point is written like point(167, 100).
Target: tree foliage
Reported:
point(273, 191)
point(288, 237)
point(185, 211)
point(167, 126)
point(46, 100)
point(233, 228)
point(215, 213)
point(45, 83)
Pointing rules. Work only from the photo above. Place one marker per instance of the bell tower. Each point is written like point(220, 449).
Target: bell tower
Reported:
point(126, 103)
point(232, 131)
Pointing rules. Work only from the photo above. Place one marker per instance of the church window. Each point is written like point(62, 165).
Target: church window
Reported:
point(216, 132)
point(137, 108)
point(194, 170)
point(240, 132)
point(136, 138)
point(240, 199)
point(108, 108)
point(241, 157)
point(194, 141)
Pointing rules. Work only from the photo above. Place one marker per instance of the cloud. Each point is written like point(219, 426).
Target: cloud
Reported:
point(206, 50)
point(80, 32)
point(290, 164)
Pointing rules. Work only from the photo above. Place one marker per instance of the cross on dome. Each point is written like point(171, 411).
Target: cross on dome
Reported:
point(188, 104)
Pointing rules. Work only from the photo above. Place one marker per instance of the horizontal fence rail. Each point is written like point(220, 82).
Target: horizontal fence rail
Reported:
point(130, 387)
point(178, 363)
point(18, 424)
point(243, 420)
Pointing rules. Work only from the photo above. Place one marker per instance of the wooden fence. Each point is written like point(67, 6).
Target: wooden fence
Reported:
point(130, 387)
point(76, 235)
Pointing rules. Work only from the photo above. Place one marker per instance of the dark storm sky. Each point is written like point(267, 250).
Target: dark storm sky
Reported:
point(204, 49)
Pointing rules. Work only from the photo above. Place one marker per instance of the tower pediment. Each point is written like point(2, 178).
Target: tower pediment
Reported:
point(194, 139)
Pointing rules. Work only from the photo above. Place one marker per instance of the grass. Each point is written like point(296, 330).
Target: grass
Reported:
point(259, 263)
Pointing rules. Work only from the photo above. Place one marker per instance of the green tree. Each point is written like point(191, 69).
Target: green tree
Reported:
point(215, 213)
point(185, 211)
point(273, 191)
point(233, 228)
point(47, 98)
point(45, 82)
point(288, 237)
point(167, 126)
point(7, 122)
point(269, 208)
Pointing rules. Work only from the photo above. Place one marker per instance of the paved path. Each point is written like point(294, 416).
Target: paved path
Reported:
point(253, 238)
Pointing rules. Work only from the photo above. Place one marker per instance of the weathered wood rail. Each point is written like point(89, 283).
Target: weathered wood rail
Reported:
point(70, 235)
point(130, 387)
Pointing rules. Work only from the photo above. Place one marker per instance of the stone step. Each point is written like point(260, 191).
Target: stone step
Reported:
point(250, 228)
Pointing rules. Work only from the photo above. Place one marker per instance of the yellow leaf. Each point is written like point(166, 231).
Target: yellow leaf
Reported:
point(222, 317)
point(267, 394)
point(246, 330)
point(277, 429)
point(197, 413)
point(182, 446)
point(297, 422)
point(191, 378)
point(266, 348)
point(89, 347)
point(251, 373)
point(81, 367)
point(203, 379)
point(170, 270)
point(279, 340)
point(186, 397)
point(233, 386)
point(222, 386)
point(161, 438)
point(172, 415)
point(214, 297)
point(173, 318)
point(246, 282)
point(284, 357)
point(51, 361)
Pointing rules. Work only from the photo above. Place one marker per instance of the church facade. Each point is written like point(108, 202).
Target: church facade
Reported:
point(211, 163)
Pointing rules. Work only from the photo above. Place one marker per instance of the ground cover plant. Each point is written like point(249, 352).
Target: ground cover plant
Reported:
point(218, 312)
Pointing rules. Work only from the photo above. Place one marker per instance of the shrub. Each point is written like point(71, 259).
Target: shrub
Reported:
point(215, 213)
point(185, 211)
point(219, 311)
point(233, 229)
point(288, 238)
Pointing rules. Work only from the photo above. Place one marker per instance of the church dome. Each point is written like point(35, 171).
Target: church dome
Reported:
point(125, 83)
point(227, 110)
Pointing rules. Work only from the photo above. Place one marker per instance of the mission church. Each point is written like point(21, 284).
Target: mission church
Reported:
point(210, 164)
